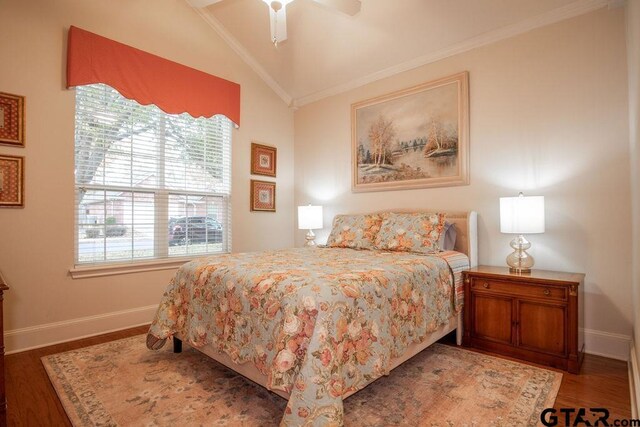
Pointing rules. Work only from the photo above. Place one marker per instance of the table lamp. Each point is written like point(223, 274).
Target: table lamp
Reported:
point(310, 218)
point(521, 215)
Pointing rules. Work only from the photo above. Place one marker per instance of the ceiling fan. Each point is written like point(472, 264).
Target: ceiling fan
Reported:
point(278, 12)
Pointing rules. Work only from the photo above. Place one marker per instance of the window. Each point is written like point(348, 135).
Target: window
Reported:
point(149, 185)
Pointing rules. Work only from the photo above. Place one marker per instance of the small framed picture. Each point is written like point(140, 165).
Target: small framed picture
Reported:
point(11, 119)
point(11, 181)
point(263, 196)
point(263, 159)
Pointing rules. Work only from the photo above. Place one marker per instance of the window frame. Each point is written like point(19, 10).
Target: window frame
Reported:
point(161, 258)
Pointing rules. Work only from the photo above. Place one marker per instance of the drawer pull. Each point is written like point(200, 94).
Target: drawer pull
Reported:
point(485, 285)
point(547, 292)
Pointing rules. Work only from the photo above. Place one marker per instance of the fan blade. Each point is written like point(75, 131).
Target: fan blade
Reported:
point(278, 24)
point(350, 7)
point(202, 3)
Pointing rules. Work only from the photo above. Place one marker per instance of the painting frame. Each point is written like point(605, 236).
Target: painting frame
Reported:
point(459, 149)
point(11, 181)
point(263, 159)
point(12, 119)
point(256, 202)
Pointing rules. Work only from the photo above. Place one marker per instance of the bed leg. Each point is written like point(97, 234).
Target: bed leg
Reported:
point(459, 330)
point(177, 345)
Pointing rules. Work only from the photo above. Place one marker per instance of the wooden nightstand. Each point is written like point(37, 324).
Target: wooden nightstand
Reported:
point(536, 317)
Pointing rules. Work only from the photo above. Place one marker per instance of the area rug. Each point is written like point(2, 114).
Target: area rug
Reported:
point(123, 383)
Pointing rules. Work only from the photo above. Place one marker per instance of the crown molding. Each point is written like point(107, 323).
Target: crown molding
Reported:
point(571, 10)
point(235, 45)
point(578, 7)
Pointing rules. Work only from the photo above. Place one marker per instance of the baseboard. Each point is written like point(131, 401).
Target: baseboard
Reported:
point(607, 344)
point(634, 381)
point(23, 339)
point(615, 346)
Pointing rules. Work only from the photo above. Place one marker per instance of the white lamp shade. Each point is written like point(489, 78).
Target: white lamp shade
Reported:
point(309, 217)
point(522, 215)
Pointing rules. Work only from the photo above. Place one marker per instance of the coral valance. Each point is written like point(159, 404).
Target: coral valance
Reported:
point(149, 79)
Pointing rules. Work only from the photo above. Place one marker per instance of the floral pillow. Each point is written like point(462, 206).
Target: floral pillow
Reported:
point(417, 232)
point(354, 231)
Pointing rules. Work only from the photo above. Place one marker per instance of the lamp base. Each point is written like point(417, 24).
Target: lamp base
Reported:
point(519, 261)
point(311, 239)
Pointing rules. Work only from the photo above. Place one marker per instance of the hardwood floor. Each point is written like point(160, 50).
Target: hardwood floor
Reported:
point(32, 400)
point(602, 383)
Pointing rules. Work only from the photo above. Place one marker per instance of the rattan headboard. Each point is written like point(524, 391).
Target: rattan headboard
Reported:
point(466, 224)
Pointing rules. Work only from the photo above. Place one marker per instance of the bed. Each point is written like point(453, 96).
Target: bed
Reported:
point(315, 325)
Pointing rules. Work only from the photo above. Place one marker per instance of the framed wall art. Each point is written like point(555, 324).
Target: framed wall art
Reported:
point(11, 119)
point(263, 159)
point(263, 196)
point(413, 138)
point(11, 181)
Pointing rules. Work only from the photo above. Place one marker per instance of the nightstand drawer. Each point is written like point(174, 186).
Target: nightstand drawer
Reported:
point(519, 289)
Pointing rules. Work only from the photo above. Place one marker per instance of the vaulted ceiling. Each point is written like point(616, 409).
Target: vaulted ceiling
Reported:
point(328, 52)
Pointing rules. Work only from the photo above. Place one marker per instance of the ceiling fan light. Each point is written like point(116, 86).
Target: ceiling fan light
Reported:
point(277, 4)
point(278, 18)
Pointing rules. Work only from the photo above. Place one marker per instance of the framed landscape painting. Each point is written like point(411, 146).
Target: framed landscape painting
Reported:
point(413, 138)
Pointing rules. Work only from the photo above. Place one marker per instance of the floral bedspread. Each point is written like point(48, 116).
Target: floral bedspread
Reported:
point(318, 322)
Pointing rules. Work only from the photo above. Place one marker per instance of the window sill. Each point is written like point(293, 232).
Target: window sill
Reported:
point(84, 272)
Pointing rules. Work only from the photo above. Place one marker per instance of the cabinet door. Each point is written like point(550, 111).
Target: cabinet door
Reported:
point(492, 317)
point(541, 327)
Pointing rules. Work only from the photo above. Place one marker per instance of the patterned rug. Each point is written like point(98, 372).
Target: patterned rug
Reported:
point(123, 383)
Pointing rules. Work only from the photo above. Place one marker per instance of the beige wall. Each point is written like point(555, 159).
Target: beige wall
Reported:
point(633, 56)
point(37, 242)
point(548, 117)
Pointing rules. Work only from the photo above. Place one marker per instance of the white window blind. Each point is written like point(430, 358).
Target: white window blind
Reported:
point(149, 185)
